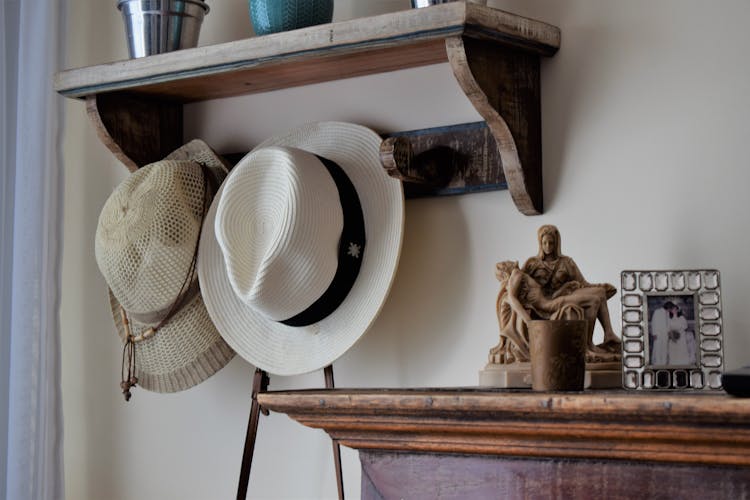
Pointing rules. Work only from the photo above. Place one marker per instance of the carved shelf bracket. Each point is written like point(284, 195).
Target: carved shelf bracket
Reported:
point(503, 85)
point(137, 130)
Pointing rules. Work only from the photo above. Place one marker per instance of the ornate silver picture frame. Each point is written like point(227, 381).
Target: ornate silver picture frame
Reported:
point(672, 330)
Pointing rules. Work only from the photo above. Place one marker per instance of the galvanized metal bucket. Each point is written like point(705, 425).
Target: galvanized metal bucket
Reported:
point(157, 26)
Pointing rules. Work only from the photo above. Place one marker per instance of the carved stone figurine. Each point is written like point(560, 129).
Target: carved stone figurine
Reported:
point(559, 276)
point(549, 286)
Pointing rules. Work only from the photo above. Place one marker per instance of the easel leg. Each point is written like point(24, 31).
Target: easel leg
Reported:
point(260, 384)
point(328, 371)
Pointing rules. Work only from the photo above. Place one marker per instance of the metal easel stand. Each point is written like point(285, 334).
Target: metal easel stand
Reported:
point(260, 384)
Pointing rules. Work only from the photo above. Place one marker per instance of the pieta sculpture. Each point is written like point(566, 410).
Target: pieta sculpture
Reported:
point(549, 286)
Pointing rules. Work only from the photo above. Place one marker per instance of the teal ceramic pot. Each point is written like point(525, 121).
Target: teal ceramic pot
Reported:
point(272, 16)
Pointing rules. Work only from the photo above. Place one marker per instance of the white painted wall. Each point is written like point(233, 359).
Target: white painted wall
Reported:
point(646, 166)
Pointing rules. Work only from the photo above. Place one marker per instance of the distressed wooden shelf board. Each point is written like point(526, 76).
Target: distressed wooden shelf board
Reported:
point(318, 53)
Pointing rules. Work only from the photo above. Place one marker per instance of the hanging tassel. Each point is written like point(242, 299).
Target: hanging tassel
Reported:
point(128, 376)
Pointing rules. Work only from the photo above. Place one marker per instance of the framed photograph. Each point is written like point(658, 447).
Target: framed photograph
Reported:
point(672, 330)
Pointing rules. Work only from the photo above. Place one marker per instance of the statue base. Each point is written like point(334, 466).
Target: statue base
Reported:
point(510, 376)
point(518, 376)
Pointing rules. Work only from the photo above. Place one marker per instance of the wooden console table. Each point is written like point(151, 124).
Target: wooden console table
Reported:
point(471, 443)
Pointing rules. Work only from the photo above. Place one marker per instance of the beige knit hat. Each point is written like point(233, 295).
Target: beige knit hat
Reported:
point(146, 244)
point(301, 245)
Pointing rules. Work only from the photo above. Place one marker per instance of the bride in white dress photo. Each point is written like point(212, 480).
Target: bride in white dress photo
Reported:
point(681, 344)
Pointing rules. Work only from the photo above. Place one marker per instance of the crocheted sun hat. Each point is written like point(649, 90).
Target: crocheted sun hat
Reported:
point(145, 245)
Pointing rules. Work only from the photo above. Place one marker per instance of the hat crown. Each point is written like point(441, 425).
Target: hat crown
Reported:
point(147, 231)
point(278, 225)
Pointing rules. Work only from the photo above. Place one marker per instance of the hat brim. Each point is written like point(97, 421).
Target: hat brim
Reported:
point(285, 350)
point(183, 353)
point(187, 349)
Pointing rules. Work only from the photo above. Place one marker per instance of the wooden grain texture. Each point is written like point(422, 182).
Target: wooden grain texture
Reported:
point(136, 130)
point(503, 84)
point(395, 156)
point(449, 160)
point(689, 429)
point(427, 476)
point(297, 70)
point(318, 53)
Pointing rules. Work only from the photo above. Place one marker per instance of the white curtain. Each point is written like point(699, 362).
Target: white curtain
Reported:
point(31, 51)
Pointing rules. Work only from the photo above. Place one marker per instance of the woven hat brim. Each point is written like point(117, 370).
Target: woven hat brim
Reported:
point(285, 350)
point(183, 353)
point(187, 349)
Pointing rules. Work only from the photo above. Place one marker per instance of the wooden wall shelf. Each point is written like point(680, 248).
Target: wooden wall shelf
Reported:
point(478, 443)
point(136, 105)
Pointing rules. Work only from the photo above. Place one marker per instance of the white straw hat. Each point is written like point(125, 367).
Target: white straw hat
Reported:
point(290, 276)
point(145, 247)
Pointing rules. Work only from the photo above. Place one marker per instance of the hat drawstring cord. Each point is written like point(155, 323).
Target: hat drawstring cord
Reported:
point(129, 380)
